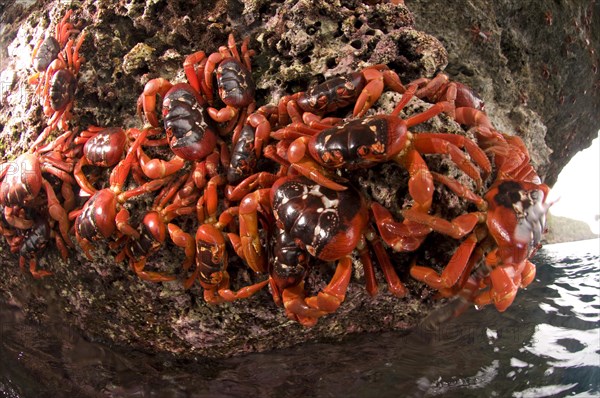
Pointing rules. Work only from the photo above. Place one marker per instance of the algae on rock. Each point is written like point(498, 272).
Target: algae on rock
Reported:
point(297, 44)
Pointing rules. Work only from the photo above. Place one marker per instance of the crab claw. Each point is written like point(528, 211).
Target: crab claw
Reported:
point(147, 100)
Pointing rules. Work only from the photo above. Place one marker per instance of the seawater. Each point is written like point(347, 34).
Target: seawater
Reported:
point(547, 344)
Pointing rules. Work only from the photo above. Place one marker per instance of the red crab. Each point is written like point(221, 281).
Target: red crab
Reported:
point(515, 222)
point(23, 179)
point(234, 82)
point(103, 213)
point(247, 147)
point(360, 143)
point(440, 88)
point(153, 229)
point(104, 147)
point(361, 88)
point(35, 241)
point(312, 222)
point(212, 261)
point(48, 49)
point(514, 212)
point(59, 84)
point(191, 133)
point(236, 90)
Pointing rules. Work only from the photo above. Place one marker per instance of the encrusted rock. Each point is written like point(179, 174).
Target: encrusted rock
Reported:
point(298, 43)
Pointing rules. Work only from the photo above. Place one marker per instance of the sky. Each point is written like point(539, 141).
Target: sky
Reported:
point(578, 188)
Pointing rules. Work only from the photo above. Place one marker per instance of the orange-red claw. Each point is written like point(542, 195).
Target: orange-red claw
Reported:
point(452, 272)
point(296, 307)
point(334, 293)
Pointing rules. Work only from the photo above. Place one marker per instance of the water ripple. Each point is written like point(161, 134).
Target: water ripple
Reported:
point(567, 348)
point(546, 391)
point(546, 344)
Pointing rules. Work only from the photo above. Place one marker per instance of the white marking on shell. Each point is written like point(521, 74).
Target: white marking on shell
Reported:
point(327, 203)
point(317, 231)
point(328, 212)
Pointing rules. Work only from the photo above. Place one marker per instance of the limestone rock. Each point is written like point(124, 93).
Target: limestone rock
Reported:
point(535, 66)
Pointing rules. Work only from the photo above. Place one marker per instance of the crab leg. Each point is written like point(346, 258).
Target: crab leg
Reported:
point(334, 293)
point(452, 272)
point(249, 234)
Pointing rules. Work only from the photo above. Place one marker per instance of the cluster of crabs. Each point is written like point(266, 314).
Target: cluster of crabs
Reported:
point(268, 184)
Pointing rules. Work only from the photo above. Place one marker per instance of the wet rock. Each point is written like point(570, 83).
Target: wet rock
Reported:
point(553, 106)
point(535, 65)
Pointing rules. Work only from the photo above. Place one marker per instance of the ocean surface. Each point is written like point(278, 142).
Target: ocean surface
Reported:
point(547, 344)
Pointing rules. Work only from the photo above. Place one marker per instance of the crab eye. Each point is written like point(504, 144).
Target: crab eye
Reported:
point(363, 150)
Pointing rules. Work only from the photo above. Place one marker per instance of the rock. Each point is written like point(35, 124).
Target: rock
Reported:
point(535, 65)
point(552, 106)
point(563, 229)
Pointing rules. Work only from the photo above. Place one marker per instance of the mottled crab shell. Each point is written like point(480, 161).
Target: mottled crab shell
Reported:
point(62, 89)
point(36, 238)
point(333, 94)
point(236, 87)
point(528, 208)
point(153, 232)
point(22, 181)
point(106, 147)
point(243, 156)
point(190, 131)
point(97, 220)
point(517, 215)
point(327, 223)
point(359, 143)
point(47, 52)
